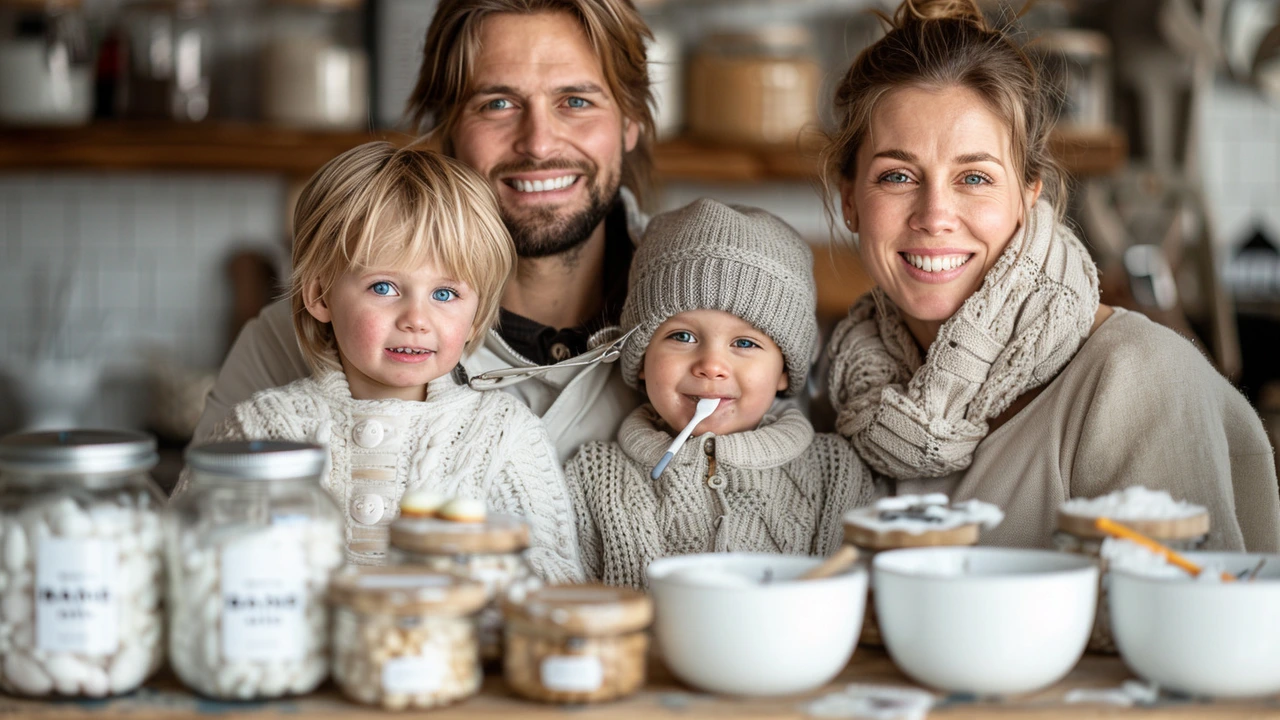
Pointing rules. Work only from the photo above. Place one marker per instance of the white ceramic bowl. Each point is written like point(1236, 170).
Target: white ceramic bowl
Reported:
point(1202, 638)
point(989, 621)
point(720, 630)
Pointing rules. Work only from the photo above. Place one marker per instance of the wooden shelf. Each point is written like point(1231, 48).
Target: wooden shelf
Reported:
point(235, 147)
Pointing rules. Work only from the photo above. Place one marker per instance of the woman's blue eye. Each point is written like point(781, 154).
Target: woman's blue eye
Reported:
point(682, 336)
point(382, 288)
point(577, 103)
point(443, 295)
point(974, 179)
point(744, 343)
point(895, 177)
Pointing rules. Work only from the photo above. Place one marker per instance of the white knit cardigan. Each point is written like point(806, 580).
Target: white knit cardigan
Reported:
point(780, 488)
point(459, 442)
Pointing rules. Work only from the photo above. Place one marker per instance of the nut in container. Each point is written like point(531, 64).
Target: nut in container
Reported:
point(405, 638)
point(485, 548)
point(577, 643)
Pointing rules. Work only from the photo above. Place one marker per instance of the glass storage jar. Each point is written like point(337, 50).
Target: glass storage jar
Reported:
point(577, 643)
point(82, 575)
point(1076, 533)
point(405, 638)
point(314, 64)
point(489, 552)
point(46, 63)
point(251, 546)
point(1079, 63)
point(170, 59)
point(754, 88)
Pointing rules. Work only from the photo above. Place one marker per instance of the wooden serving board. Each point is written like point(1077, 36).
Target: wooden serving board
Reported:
point(894, 539)
point(1185, 528)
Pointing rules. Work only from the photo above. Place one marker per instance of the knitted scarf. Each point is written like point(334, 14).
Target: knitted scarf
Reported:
point(910, 418)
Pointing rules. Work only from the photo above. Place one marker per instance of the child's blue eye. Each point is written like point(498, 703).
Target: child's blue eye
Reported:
point(443, 295)
point(382, 287)
point(683, 336)
point(744, 343)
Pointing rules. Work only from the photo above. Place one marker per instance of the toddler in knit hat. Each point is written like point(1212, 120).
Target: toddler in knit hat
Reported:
point(721, 305)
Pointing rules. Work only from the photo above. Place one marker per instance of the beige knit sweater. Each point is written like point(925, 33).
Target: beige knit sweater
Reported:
point(1137, 405)
point(459, 442)
point(779, 488)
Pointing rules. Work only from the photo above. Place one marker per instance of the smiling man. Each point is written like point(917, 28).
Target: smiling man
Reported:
point(549, 100)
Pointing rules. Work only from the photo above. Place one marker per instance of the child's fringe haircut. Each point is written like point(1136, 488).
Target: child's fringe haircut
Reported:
point(380, 206)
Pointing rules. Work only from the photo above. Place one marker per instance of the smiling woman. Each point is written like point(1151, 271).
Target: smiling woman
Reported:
point(982, 364)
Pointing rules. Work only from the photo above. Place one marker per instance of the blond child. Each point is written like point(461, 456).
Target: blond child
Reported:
point(721, 305)
point(400, 258)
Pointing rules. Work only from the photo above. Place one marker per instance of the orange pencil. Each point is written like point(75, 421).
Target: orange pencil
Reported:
point(1117, 530)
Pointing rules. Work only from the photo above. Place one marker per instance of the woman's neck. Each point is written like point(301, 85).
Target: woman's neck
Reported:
point(924, 331)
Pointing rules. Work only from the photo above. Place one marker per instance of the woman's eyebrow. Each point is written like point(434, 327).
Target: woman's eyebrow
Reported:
point(977, 157)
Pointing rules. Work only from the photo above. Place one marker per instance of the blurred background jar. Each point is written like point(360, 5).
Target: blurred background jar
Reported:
point(170, 59)
point(1079, 62)
point(46, 64)
point(314, 64)
point(757, 87)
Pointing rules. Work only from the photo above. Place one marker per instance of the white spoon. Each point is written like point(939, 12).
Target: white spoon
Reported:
point(706, 406)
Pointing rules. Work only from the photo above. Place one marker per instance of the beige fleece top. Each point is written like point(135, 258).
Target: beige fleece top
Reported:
point(458, 442)
point(1137, 405)
point(779, 488)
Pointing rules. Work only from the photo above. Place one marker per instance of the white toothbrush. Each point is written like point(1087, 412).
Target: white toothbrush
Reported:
point(706, 406)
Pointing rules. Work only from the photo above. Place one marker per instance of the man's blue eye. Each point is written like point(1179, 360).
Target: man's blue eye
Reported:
point(497, 104)
point(577, 103)
point(443, 295)
point(381, 288)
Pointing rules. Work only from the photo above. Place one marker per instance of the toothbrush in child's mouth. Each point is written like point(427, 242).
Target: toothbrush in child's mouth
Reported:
point(705, 407)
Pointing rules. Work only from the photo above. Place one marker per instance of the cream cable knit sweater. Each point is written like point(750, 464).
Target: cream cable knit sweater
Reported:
point(459, 442)
point(779, 488)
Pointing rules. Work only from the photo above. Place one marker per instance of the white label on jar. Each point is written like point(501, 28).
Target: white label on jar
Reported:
point(263, 600)
point(414, 674)
point(572, 673)
point(77, 609)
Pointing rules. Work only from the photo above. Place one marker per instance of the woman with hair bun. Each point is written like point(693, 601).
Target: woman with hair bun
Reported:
point(982, 364)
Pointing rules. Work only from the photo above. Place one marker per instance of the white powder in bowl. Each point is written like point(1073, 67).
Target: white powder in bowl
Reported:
point(1134, 503)
point(1134, 558)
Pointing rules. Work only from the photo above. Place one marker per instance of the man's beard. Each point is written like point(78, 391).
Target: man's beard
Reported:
point(543, 232)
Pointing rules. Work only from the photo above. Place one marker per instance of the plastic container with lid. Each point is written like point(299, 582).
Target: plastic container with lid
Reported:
point(911, 521)
point(314, 64)
point(81, 563)
point(577, 643)
point(46, 63)
point(251, 546)
point(1176, 524)
point(405, 638)
point(489, 552)
point(754, 88)
point(170, 58)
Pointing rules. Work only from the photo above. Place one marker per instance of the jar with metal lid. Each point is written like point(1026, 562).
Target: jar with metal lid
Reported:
point(1076, 533)
point(250, 547)
point(754, 88)
point(82, 570)
point(489, 552)
point(46, 63)
point(577, 643)
point(911, 521)
point(170, 59)
point(314, 64)
point(405, 638)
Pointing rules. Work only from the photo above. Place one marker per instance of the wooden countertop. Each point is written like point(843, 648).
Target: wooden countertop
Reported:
point(664, 697)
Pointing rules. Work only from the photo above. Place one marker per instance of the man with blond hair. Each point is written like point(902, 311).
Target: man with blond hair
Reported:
point(549, 100)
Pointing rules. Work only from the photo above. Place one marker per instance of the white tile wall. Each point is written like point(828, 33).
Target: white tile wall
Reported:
point(141, 258)
point(1241, 142)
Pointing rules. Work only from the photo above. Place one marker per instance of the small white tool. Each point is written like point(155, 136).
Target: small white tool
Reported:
point(705, 407)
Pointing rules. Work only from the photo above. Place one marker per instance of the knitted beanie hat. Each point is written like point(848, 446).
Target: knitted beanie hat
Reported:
point(742, 260)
